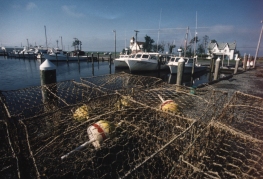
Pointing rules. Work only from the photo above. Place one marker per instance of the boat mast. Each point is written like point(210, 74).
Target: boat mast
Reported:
point(159, 29)
point(195, 33)
point(185, 42)
point(46, 35)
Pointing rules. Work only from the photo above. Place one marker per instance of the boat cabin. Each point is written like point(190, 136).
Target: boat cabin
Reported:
point(186, 60)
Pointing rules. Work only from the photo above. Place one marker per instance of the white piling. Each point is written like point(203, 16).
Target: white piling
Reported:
point(217, 68)
point(180, 71)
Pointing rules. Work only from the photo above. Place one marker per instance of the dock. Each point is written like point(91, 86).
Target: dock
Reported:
point(215, 131)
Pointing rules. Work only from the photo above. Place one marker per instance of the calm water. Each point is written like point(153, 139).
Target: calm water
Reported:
point(23, 73)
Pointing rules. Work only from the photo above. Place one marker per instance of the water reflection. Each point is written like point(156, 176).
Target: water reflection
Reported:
point(21, 73)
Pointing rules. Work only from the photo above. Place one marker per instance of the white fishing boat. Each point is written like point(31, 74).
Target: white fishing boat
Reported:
point(59, 55)
point(25, 53)
point(120, 62)
point(173, 64)
point(145, 61)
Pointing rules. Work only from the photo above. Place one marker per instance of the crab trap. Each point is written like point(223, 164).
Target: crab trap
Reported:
point(9, 163)
point(129, 126)
point(120, 81)
point(133, 141)
point(28, 102)
point(220, 152)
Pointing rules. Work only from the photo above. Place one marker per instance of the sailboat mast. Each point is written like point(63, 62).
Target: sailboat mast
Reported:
point(186, 38)
point(195, 33)
point(46, 35)
point(159, 29)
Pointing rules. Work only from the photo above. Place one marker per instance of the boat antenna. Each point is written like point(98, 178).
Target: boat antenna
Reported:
point(46, 35)
point(159, 29)
point(195, 33)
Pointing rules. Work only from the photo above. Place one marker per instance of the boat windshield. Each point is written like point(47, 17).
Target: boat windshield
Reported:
point(138, 56)
point(172, 59)
point(177, 59)
point(145, 56)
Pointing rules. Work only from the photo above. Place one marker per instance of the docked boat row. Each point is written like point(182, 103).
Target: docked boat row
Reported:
point(146, 61)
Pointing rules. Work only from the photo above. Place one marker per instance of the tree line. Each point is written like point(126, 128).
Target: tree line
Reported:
point(196, 46)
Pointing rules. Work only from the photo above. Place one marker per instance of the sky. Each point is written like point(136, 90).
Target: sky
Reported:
point(93, 22)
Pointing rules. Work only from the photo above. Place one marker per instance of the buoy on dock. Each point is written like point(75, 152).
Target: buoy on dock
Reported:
point(81, 113)
point(168, 105)
point(97, 133)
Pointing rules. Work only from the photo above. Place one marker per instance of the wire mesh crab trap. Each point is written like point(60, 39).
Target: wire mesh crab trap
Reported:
point(121, 80)
point(9, 167)
point(123, 143)
point(28, 102)
point(244, 113)
point(220, 152)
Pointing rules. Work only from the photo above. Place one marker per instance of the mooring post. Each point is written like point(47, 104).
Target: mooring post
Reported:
point(98, 57)
point(78, 56)
point(47, 72)
point(248, 61)
point(212, 65)
point(193, 67)
point(245, 63)
point(159, 64)
point(48, 76)
point(110, 63)
point(217, 68)
point(92, 60)
point(67, 57)
point(180, 71)
point(237, 63)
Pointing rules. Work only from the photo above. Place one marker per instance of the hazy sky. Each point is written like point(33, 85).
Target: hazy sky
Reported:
point(93, 22)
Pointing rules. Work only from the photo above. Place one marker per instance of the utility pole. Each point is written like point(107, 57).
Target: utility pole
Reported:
point(136, 31)
point(258, 45)
point(115, 43)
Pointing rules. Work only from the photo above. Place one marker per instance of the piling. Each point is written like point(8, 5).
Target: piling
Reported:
point(245, 63)
point(159, 64)
point(47, 72)
point(193, 67)
point(49, 92)
point(67, 57)
point(212, 65)
point(78, 57)
point(92, 60)
point(237, 63)
point(98, 57)
point(180, 71)
point(110, 63)
point(217, 68)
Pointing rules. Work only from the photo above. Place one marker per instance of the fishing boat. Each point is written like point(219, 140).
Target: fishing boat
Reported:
point(188, 67)
point(120, 62)
point(145, 61)
point(59, 55)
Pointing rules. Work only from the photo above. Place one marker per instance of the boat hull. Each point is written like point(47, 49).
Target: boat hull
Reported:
point(187, 69)
point(120, 64)
point(139, 65)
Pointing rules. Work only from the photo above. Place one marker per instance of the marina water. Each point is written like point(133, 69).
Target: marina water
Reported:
point(23, 73)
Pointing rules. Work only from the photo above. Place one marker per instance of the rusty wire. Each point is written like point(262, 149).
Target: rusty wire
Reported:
point(208, 137)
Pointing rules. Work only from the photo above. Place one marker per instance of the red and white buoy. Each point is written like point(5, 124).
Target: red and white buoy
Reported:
point(168, 105)
point(97, 133)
